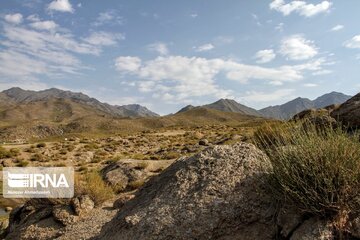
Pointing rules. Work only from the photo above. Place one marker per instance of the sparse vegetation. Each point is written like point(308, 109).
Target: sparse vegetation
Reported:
point(93, 185)
point(7, 154)
point(317, 170)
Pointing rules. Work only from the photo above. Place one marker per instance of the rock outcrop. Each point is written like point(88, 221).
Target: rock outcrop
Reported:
point(349, 112)
point(219, 193)
point(45, 218)
point(122, 175)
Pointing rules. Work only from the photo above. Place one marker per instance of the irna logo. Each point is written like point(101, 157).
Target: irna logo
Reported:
point(41, 182)
point(18, 180)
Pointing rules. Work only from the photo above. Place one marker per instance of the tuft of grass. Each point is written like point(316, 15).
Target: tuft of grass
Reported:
point(8, 154)
point(23, 163)
point(93, 185)
point(136, 184)
point(316, 170)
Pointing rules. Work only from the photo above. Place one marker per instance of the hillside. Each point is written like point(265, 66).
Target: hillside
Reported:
point(289, 109)
point(60, 117)
point(226, 105)
point(20, 96)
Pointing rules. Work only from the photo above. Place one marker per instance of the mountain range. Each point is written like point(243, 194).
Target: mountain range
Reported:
point(16, 96)
point(289, 109)
point(282, 112)
point(27, 114)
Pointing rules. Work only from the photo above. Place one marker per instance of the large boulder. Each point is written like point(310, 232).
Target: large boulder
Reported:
point(219, 193)
point(45, 218)
point(120, 175)
point(349, 112)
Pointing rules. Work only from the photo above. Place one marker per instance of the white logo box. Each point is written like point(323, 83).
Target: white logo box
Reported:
point(38, 182)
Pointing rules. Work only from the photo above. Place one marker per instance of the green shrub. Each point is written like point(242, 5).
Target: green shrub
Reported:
point(8, 154)
point(37, 158)
point(93, 185)
point(23, 163)
point(317, 171)
point(14, 152)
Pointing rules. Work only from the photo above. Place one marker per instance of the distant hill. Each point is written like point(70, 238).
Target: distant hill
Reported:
point(53, 112)
point(20, 96)
point(140, 111)
point(226, 105)
point(289, 109)
point(186, 108)
point(330, 98)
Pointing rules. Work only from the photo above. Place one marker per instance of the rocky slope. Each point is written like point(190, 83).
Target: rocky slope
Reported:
point(136, 110)
point(229, 105)
point(23, 97)
point(289, 109)
point(225, 105)
point(220, 193)
point(208, 196)
point(186, 108)
point(349, 112)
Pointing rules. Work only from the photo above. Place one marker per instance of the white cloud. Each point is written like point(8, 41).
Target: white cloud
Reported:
point(185, 77)
point(353, 43)
point(44, 25)
point(61, 6)
point(322, 72)
point(300, 7)
point(337, 28)
point(27, 53)
point(33, 18)
point(265, 56)
point(127, 64)
point(310, 85)
point(204, 48)
point(104, 38)
point(194, 15)
point(280, 27)
point(297, 47)
point(255, 96)
point(159, 47)
point(16, 18)
point(108, 17)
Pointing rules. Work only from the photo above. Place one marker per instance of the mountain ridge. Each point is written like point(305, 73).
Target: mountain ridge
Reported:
point(289, 109)
point(21, 96)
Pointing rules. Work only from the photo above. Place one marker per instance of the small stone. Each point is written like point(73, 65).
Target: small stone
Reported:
point(8, 209)
point(82, 204)
point(204, 142)
point(120, 202)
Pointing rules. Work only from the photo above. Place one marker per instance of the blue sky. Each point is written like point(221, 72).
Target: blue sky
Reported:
point(167, 54)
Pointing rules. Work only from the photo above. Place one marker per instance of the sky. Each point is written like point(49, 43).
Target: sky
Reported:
point(165, 54)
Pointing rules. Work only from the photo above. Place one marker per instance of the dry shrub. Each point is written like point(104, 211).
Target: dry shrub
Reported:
point(93, 185)
point(316, 170)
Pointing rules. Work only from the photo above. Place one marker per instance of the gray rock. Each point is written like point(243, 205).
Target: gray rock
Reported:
point(314, 229)
point(82, 204)
point(64, 214)
point(120, 174)
point(120, 202)
point(204, 142)
point(216, 194)
point(288, 219)
point(349, 112)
